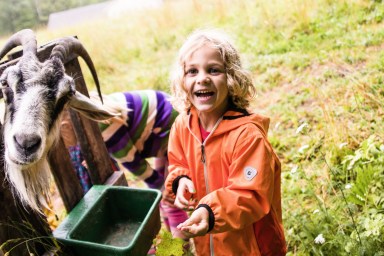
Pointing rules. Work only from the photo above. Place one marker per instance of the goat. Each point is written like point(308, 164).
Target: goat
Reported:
point(35, 94)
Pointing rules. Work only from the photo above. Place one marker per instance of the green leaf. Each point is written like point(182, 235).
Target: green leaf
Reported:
point(168, 245)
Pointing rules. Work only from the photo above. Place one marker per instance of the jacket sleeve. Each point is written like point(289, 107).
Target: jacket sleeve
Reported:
point(178, 166)
point(249, 192)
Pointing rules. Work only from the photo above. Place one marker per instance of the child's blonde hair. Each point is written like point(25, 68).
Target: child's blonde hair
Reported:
point(240, 85)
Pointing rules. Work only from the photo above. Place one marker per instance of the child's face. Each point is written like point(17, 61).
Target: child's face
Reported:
point(206, 82)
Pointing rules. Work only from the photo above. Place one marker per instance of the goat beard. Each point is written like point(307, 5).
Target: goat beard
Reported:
point(30, 185)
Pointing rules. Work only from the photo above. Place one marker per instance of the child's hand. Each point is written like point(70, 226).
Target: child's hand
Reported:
point(184, 196)
point(168, 198)
point(196, 225)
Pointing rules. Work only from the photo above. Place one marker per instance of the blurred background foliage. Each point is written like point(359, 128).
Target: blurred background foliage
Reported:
point(16, 15)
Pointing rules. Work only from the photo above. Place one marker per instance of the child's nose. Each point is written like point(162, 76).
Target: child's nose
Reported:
point(204, 79)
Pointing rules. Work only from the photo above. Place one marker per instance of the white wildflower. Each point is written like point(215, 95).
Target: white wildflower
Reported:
point(348, 186)
point(303, 148)
point(360, 197)
point(316, 211)
point(320, 239)
point(294, 169)
point(301, 128)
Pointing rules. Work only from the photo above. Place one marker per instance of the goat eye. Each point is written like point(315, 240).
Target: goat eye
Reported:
point(4, 83)
point(71, 93)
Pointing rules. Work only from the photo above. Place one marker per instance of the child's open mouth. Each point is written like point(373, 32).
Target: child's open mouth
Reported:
point(204, 94)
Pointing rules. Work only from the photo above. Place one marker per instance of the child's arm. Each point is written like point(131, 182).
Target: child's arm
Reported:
point(178, 166)
point(251, 186)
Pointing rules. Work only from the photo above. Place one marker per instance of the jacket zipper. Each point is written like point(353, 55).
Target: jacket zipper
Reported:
point(203, 160)
point(203, 153)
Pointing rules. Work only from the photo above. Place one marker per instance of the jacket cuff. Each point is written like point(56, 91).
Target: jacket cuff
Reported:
point(175, 183)
point(211, 216)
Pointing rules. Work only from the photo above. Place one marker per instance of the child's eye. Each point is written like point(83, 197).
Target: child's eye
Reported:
point(191, 71)
point(214, 71)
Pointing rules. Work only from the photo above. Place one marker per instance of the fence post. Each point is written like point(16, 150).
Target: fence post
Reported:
point(88, 133)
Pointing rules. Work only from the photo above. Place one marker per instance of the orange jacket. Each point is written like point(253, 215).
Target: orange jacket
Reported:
point(237, 179)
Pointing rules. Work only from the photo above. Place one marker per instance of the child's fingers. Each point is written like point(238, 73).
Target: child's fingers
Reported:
point(191, 230)
point(191, 187)
point(178, 204)
point(183, 203)
point(186, 234)
point(188, 185)
point(186, 223)
point(182, 200)
point(183, 196)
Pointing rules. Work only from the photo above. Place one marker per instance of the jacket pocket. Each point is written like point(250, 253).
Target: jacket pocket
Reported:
point(270, 235)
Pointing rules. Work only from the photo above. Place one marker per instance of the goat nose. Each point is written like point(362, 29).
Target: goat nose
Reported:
point(29, 143)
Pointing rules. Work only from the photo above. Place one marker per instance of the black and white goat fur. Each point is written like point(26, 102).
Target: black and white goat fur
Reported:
point(35, 94)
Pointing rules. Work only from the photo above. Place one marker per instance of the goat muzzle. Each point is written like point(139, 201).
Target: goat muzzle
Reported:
point(27, 143)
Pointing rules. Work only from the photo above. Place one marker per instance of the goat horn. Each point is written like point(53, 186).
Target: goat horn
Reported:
point(24, 37)
point(68, 45)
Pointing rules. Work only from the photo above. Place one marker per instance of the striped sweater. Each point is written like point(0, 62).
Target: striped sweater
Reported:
point(144, 132)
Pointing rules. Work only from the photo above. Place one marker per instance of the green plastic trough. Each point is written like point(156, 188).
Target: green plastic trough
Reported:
point(112, 221)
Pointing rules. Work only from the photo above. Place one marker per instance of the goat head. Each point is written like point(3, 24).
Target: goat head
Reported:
point(35, 94)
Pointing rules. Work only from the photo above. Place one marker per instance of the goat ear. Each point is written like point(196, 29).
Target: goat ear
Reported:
point(89, 108)
point(2, 112)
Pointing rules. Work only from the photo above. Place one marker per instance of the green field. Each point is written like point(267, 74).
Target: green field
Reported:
point(318, 68)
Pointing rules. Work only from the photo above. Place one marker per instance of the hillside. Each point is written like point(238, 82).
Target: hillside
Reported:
point(318, 67)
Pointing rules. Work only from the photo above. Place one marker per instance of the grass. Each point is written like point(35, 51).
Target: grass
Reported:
point(317, 63)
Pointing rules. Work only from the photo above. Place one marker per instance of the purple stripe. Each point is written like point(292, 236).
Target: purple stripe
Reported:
point(134, 103)
point(135, 164)
point(128, 100)
point(151, 146)
point(118, 140)
point(164, 110)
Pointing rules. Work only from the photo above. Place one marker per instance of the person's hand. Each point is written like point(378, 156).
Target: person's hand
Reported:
point(196, 225)
point(168, 198)
point(184, 196)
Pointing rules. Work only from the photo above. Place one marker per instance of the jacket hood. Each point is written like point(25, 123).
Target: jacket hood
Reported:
point(232, 119)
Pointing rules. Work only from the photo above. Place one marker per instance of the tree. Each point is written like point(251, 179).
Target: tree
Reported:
point(16, 15)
